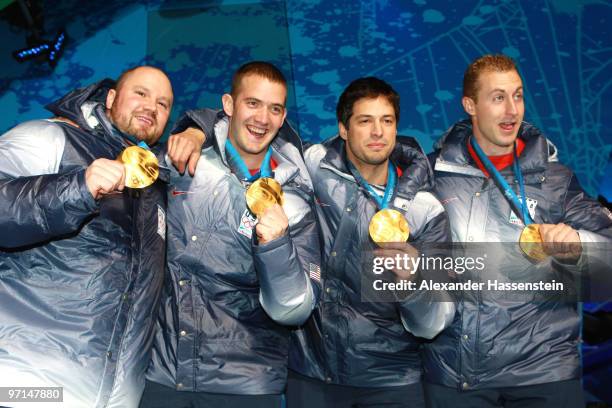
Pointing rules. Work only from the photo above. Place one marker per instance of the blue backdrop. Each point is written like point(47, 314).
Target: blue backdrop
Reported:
point(563, 48)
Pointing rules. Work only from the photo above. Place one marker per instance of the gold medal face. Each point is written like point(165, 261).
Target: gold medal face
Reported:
point(389, 226)
point(141, 167)
point(530, 243)
point(263, 194)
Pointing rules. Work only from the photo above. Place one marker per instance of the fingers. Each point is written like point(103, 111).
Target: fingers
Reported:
point(561, 241)
point(184, 149)
point(272, 224)
point(193, 161)
point(104, 176)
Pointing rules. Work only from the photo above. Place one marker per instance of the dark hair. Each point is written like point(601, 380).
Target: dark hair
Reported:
point(486, 63)
point(260, 68)
point(368, 87)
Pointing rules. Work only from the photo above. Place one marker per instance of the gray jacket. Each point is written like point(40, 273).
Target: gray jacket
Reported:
point(79, 279)
point(360, 343)
point(228, 301)
point(505, 341)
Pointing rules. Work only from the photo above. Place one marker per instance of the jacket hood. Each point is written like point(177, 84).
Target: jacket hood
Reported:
point(69, 106)
point(417, 174)
point(451, 148)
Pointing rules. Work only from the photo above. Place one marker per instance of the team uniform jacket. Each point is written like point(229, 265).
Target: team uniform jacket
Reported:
point(505, 341)
point(349, 341)
point(229, 302)
point(79, 278)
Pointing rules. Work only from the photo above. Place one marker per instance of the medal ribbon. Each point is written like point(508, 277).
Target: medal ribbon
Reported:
point(503, 184)
point(241, 168)
point(381, 202)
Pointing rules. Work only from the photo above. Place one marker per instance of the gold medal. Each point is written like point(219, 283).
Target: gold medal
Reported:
point(530, 243)
point(263, 194)
point(389, 226)
point(141, 167)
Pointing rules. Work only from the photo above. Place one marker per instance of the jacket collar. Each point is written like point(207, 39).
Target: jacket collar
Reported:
point(69, 106)
point(452, 154)
point(407, 154)
point(286, 147)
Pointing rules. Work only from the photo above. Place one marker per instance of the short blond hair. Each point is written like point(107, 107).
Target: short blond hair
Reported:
point(484, 64)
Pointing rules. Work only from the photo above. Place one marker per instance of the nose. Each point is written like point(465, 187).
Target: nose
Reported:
point(511, 108)
point(377, 129)
point(149, 105)
point(261, 116)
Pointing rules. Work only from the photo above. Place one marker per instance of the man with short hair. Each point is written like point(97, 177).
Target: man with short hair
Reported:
point(82, 260)
point(353, 352)
point(500, 181)
point(243, 254)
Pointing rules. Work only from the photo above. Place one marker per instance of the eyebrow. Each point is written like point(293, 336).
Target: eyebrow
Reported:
point(366, 115)
point(251, 98)
point(520, 88)
point(144, 88)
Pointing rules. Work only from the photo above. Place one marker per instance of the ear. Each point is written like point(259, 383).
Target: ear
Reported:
point(469, 105)
point(110, 98)
point(342, 130)
point(228, 104)
point(284, 115)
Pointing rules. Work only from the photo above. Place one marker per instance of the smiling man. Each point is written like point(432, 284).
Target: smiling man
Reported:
point(353, 352)
point(499, 177)
point(242, 248)
point(81, 260)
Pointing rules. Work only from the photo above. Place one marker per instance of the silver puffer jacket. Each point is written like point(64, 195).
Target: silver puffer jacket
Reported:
point(229, 303)
point(79, 279)
point(350, 340)
point(502, 341)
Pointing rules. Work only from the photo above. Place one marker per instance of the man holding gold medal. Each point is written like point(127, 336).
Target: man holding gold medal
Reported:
point(372, 188)
point(243, 254)
point(82, 258)
point(500, 181)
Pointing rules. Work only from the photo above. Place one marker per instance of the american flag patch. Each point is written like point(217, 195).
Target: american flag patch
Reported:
point(314, 272)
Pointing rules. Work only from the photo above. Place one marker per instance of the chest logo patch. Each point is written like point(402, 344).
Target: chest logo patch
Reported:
point(531, 207)
point(247, 222)
point(161, 222)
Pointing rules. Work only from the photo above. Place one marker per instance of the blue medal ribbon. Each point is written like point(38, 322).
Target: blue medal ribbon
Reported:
point(503, 184)
point(381, 202)
point(241, 168)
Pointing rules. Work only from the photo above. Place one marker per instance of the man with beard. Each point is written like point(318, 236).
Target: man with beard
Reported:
point(500, 179)
point(82, 259)
point(243, 254)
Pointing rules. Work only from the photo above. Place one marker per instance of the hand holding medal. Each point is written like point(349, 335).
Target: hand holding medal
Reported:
point(387, 225)
point(141, 166)
point(264, 197)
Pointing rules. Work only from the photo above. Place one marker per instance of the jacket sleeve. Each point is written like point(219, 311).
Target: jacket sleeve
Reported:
point(37, 207)
point(289, 273)
point(425, 313)
point(592, 221)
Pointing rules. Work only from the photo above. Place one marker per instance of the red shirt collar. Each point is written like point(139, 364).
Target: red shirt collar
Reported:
point(273, 165)
point(500, 162)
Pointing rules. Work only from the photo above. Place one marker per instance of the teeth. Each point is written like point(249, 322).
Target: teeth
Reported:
point(256, 130)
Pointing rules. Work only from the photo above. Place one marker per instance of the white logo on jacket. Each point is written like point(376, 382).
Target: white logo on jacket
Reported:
point(161, 222)
point(531, 207)
point(247, 222)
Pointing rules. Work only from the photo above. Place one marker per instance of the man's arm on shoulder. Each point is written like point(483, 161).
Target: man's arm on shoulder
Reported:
point(189, 136)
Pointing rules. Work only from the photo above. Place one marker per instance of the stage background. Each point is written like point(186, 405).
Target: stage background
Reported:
point(563, 48)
